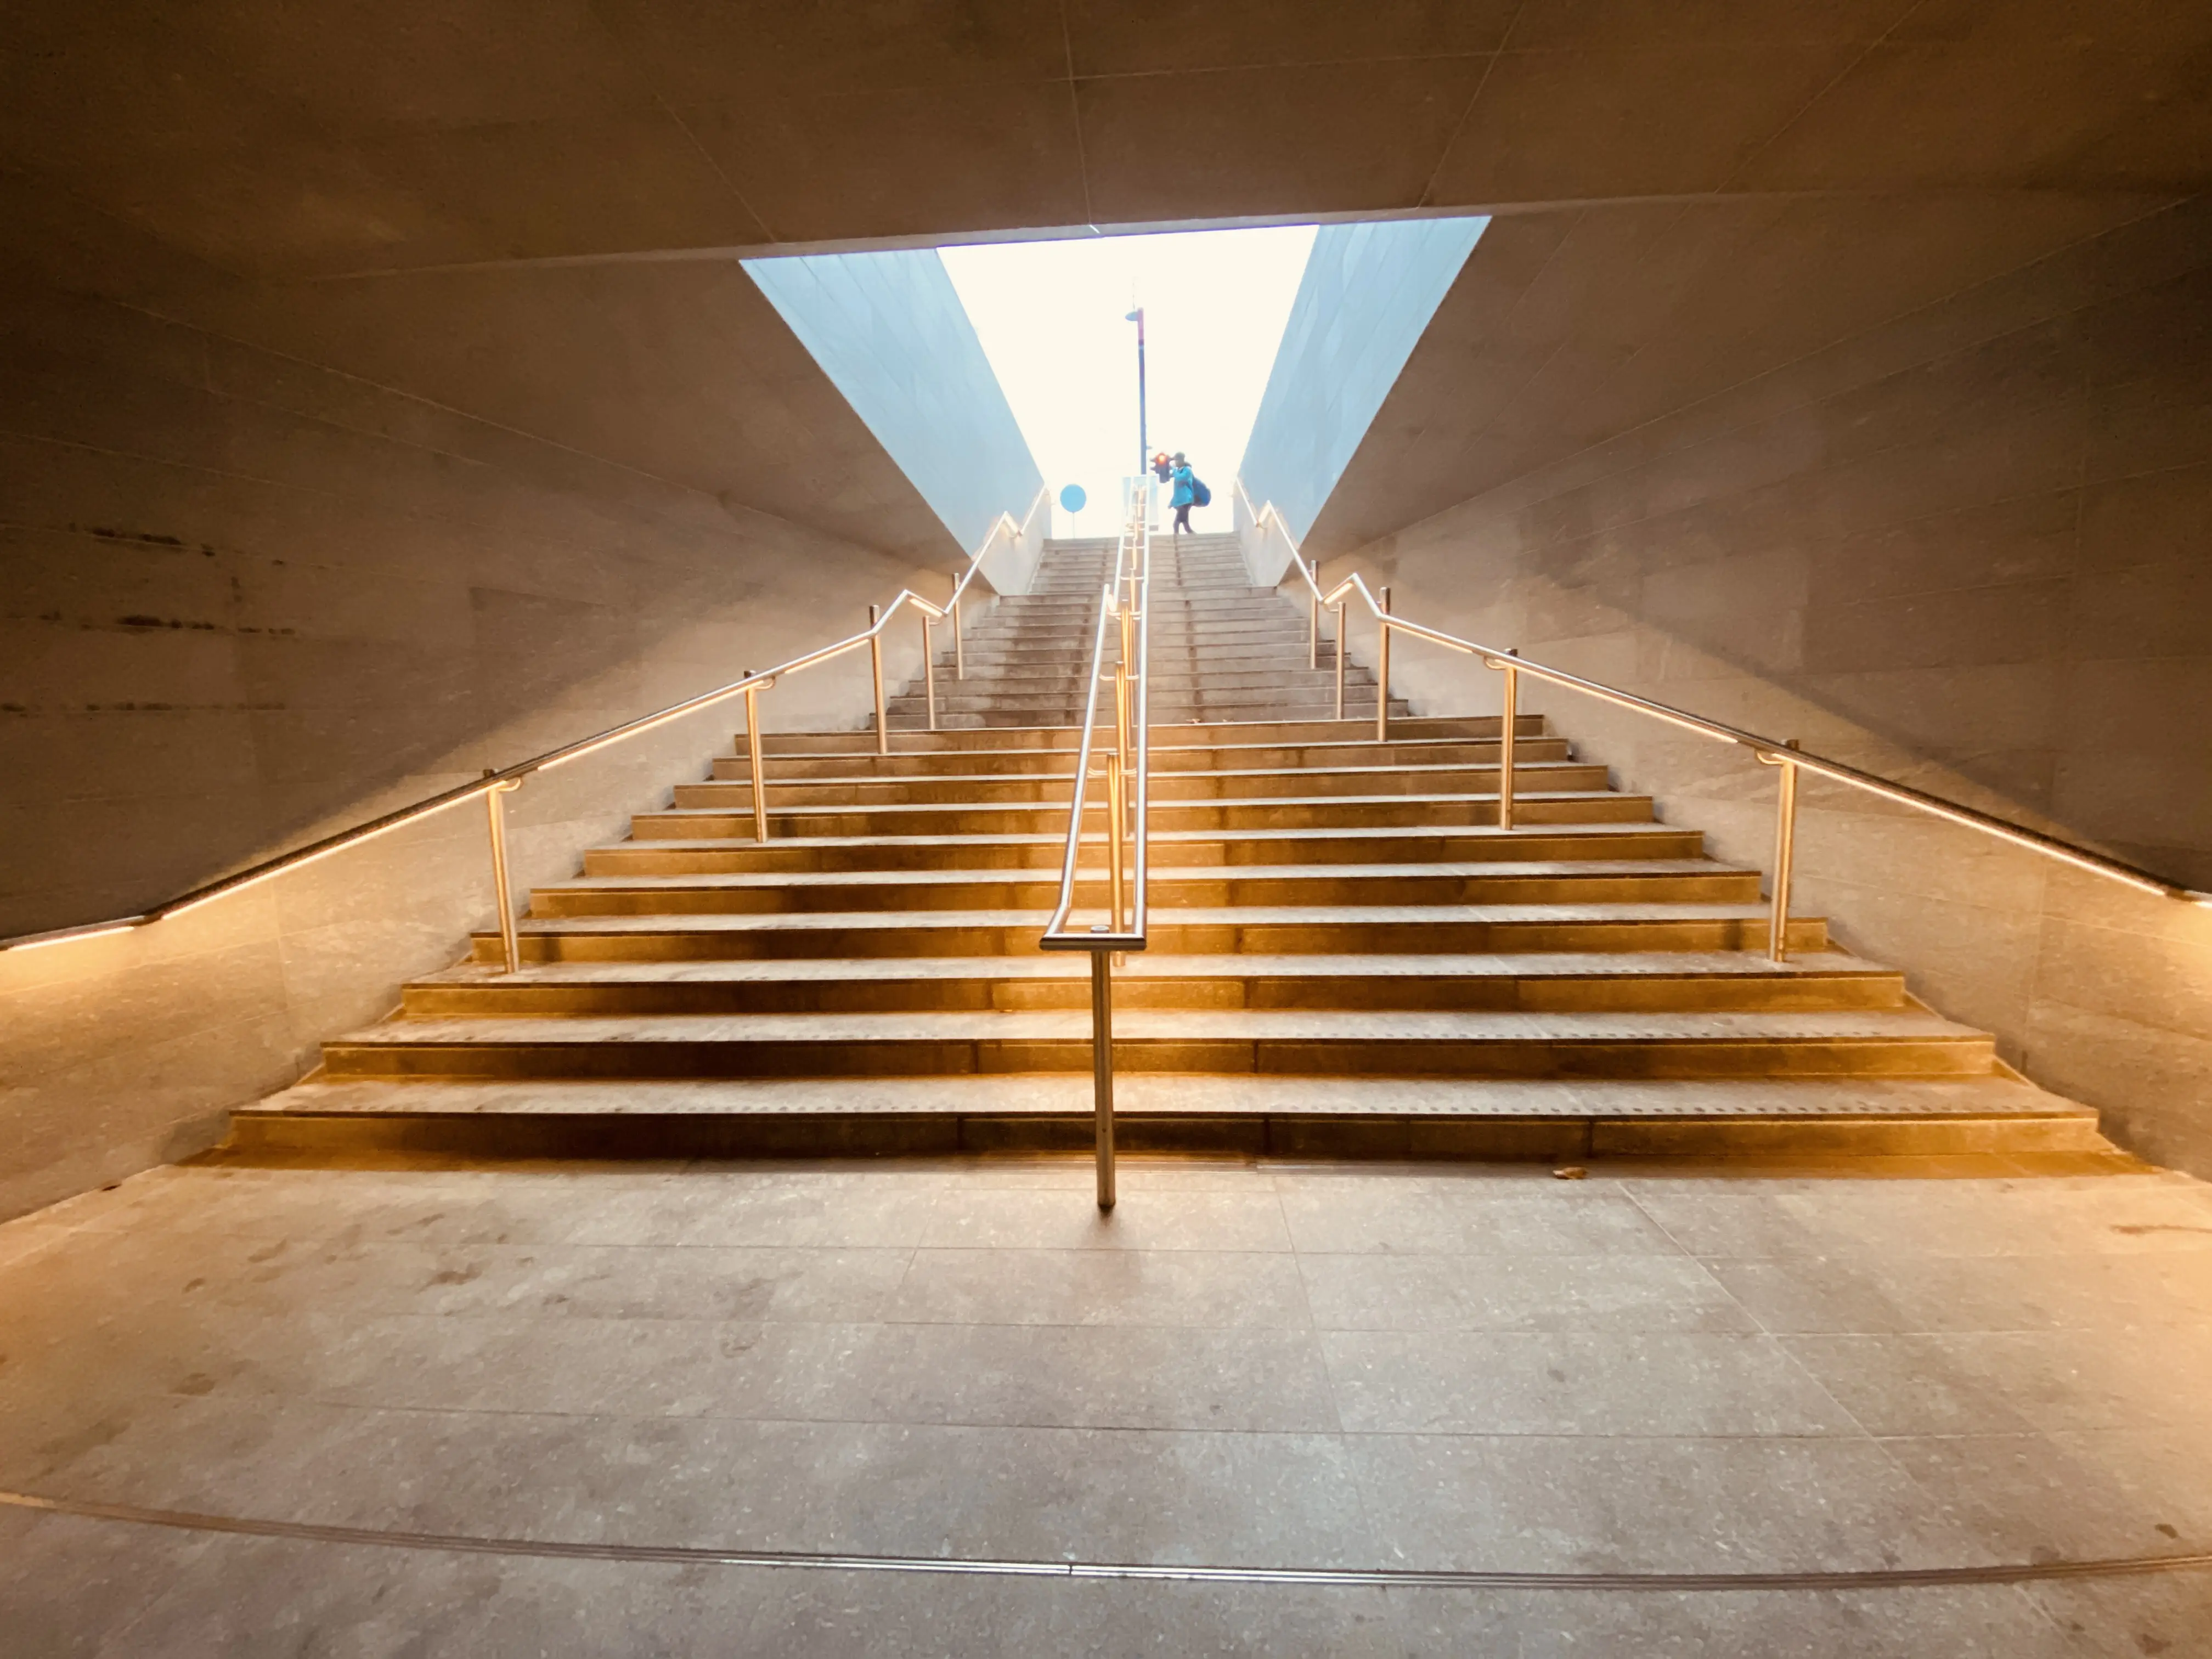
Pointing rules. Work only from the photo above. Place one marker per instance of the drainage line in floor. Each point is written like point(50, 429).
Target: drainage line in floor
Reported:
point(685, 1555)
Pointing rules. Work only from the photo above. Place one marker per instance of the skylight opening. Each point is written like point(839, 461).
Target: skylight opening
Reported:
point(1052, 318)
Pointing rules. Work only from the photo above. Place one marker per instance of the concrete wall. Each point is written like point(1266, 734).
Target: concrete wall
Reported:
point(1970, 549)
point(1368, 292)
point(249, 599)
point(889, 331)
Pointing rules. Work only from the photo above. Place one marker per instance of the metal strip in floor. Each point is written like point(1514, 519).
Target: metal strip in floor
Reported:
point(686, 1555)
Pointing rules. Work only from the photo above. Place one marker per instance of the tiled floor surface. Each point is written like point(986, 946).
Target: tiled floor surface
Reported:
point(1248, 1365)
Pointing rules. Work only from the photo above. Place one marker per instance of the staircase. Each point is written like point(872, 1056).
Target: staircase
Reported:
point(1222, 650)
point(1348, 958)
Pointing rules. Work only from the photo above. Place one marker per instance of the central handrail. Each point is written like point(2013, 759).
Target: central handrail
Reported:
point(1787, 755)
point(1128, 599)
point(494, 785)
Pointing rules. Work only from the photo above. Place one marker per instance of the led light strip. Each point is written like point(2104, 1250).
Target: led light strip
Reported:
point(549, 1549)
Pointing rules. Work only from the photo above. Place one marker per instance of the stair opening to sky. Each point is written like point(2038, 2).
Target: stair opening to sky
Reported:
point(1053, 320)
point(990, 371)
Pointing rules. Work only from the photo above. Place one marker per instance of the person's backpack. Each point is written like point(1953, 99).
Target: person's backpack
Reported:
point(1199, 494)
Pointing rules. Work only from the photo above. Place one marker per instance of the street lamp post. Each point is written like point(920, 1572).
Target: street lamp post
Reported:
point(1144, 445)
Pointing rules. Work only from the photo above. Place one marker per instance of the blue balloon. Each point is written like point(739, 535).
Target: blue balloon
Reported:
point(1073, 498)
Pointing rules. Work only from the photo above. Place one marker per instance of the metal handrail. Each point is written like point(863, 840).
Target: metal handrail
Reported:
point(1787, 755)
point(495, 785)
point(1128, 599)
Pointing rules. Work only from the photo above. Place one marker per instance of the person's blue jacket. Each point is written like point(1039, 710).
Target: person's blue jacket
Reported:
point(1184, 494)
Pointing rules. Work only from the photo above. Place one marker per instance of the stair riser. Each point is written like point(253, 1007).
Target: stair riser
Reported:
point(1300, 690)
point(1394, 1057)
point(1018, 655)
point(1063, 735)
point(892, 939)
point(1018, 818)
point(903, 723)
point(645, 1134)
point(1165, 787)
point(1167, 679)
point(1030, 762)
point(1044, 853)
point(1180, 634)
point(1625, 993)
point(1040, 892)
point(1166, 600)
point(1164, 713)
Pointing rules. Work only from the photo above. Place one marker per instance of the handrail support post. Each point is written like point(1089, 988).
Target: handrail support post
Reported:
point(876, 667)
point(1383, 670)
point(1785, 857)
point(959, 643)
point(753, 759)
point(928, 672)
point(1114, 851)
point(1506, 733)
point(510, 945)
point(1101, 1071)
point(1339, 661)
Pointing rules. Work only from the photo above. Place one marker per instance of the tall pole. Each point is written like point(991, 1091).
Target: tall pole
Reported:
point(1144, 442)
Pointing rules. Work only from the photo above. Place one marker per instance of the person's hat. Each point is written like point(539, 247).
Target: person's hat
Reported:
point(1178, 454)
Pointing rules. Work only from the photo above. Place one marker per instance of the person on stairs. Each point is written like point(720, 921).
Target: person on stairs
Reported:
point(1188, 493)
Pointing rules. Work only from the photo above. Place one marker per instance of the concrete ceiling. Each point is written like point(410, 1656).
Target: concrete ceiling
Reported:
point(271, 138)
point(1567, 328)
point(1689, 189)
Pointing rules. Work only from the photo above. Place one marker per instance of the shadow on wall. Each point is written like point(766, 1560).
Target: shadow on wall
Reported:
point(247, 596)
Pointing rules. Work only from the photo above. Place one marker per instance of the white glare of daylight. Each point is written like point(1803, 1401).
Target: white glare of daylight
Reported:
point(1051, 319)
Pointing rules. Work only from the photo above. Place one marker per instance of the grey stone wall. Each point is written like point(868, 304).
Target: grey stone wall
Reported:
point(246, 600)
point(1970, 549)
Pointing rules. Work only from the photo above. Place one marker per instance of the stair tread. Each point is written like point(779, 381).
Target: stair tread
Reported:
point(1170, 837)
point(1167, 874)
point(1253, 915)
point(1426, 797)
point(1150, 965)
point(1406, 770)
point(1265, 1024)
point(1138, 1094)
point(1071, 748)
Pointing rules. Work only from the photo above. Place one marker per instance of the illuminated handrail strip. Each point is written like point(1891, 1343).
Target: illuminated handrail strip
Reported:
point(1766, 748)
point(368, 830)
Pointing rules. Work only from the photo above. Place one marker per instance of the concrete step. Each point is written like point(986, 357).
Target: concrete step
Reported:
point(1276, 782)
point(1589, 982)
point(1282, 930)
point(1244, 1114)
point(1064, 734)
point(1166, 708)
point(1573, 881)
point(1859, 1042)
point(1165, 679)
point(1165, 757)
point(1169, 849)
point(1238, 815)
point(1165, 712)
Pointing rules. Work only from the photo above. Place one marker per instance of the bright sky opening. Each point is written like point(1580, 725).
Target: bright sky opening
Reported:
point(1051, 316)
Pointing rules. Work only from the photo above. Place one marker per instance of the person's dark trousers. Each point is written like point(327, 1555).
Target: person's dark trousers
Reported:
point(1182, 519)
